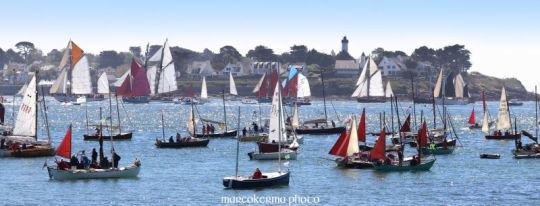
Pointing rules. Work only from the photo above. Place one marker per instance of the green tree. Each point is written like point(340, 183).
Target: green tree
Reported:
point(424, 54)
point(136, 51)
point(455, 57)
point(262, 53)
point(54, 57)
point(25, 48)
point(298, 53)
point(12, 56)
point(344, 55)
point(319, 59)
point(227, 54)
point(110, 59)
point(3, 58)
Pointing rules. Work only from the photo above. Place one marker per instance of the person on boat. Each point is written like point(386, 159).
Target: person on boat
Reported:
point(445, 143)
point(208, 128)
point(94, 156)
point(333, 124)
point(62, 165)
point(432, 146)
point(213, 128)
point(97, 131)
point(414, 162)
point(105, 164)
point(2, 112)
point(116, 159)
point(387, 161)
point(74, 162)
point(400, 156)
point(203, 129)
point(85, 162)
point(171, 139)
point(255, 127)
point(257, 174)
point(2, 143)
point(288, 122)
point(316, 125)
point(178, 137)
point(244, 131)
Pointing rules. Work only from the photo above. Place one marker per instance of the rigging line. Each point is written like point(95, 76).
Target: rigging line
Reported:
point(335, 111)
point(127, 114)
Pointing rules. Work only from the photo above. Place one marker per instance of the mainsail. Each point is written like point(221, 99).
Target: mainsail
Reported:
point(167, 78)
point(276, 115)
point(80, 72)
point(136, 82)
point(303, 89)
point(80, 77)
point(103, 84)
point(60, 85)
point(295, 119)
point(26, 123)
point(232, 85)
point(503, 119)
point(204, 92)
point(485, 121)
point(438, 85)
point(191, 121)
point(347, 144)
point(388, 92)
point(369, 83)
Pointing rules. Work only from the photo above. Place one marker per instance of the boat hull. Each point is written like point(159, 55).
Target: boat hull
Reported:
point(123, 136)
point(122, 172)
point(136, 100)
point(231, 133)
point(371, 99)
point(272, 180)
point(504, 137)
point(254, 138)
point(192, 143)
point(438, 150)
point(36, 151)
point(285, 155)
point(490, 156)
point(73, 98)
point(354, 164)
point(264, 100)
point(320, 131)
point(424, 166)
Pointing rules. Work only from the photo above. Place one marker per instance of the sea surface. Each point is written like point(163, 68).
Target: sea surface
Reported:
point(194, 176)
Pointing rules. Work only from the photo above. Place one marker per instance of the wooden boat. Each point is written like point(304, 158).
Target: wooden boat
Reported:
point(74, 80)
point(249, 101)
point(254, 137)
point(24, 137)
point(274, 147)
point(161, 74)
point(456, 91)
point(286, 154)
point(192, 142)
point(270, 179)
point(406, 165)
point(504, 122)
point(369, 87)
point(438, 150)
point(514, 102)
point(135, 88)
point(230, 134)
point(346, 147)
point(226, 133)
point(320, 130)
point(265, 87)
point(490, 156)
point(95, 137)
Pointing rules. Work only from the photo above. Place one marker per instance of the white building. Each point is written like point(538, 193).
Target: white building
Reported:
point(200, 69)
point(347, 67)
point(237, 69)
point(259, 68)
point(392, 66)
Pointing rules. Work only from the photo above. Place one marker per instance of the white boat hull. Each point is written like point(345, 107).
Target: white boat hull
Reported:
point(122, 172)
point(285, 155)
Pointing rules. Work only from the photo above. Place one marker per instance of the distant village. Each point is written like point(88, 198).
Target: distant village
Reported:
point(20, 62)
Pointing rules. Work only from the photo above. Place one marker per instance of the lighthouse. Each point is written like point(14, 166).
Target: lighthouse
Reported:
point(345, 44)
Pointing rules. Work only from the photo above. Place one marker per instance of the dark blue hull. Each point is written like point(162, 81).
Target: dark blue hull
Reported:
point(264, 100)
point(136, 100)
point(282, 180)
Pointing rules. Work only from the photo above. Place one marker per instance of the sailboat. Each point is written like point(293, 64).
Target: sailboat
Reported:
point(369, 87)
point(327, 127)
point(226, 132)
point(277, 134)
point(185, 142)
point(267, 179)
point(135, 87)
point(63, 172)
point(504, 122)
point(265, 86)
point(531, 150)
point(232, 89)
point(414, 163)
point(486, 123)
point(103, 88)
point(453, 90)
point(161, 75)
point(296, 90)
point(346, 147)
point(23, 142)
point(74, 79)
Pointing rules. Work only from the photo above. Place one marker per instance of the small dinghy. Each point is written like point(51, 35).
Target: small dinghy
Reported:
point(182, 142)
point(123, 136)
point(285, 154)
point(490, 156)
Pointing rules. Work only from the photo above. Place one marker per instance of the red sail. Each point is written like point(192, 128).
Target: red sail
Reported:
point(273, 81)
point(406, 125)
point(140, 85)
point(189, 91)
point(125, 89)
point(64, 150)
point(292, 86)
point(484, 101)
point(362, 127)
point(422, 136)
point(341, 146)
point(471, 118)
point(262, 89)
point(378, 151)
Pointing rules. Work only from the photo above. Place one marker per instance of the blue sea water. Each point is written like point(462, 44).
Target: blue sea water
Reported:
point(194, 176)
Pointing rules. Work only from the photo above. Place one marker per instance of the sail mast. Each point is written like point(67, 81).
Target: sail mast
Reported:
point(237, 143)
point(160, 68)
point(45, 116)
point(278, 87)
point(193, 119)
point(36, 106)
point(536, 113)
point(118, 114)
point(224, 111)
point(324, 96)
point(162, 126)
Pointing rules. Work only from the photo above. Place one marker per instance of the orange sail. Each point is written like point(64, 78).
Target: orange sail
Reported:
point(471, 118)
point(362, 127)
point(64, 150)
point(76, 53)
point(378, 152)
point(340, 148)
point(406, 127)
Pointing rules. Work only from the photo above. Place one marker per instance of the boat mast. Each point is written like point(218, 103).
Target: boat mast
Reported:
point(162, 126)
point(434, 110)
point(279, 127)
point(224, 110)
point(237, 143)
point(193, 119)
point(68, 73)
point(536, 112)
point(324, 96)
point(118, 113)
point(36, 106)
point(159, 69)
point(86, 116)
point(413, 103)
point(45, 116)
point(392, 114)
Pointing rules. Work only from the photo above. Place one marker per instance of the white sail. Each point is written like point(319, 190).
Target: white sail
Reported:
point(65, 57)
point(353, 148)
point(120, 80)
point(503, 119)
point(151, 75)
point(80, 77)
point(157, 56)
point(485, 123)
point(232, 85)
point(295, 123)
point(376, 87)
point(362, 83)
point(167, 79)
point(459, 86)
point(26, 123)
point(303, 89)
point(258, 86)
point(363, 75)
point(204, 93)
point(60, 85)
point(22, 90)
point(388, 92)
point(438, 85)
point(190, 124)
point(103, 84)
point(276, 115)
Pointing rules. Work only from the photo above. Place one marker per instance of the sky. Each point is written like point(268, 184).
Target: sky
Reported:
point(503, 36)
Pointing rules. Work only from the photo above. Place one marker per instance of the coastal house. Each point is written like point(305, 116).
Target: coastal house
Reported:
point(347, 67)
point(200, 69)
point(259, 68)
point(237, 69)
point(392, 66)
